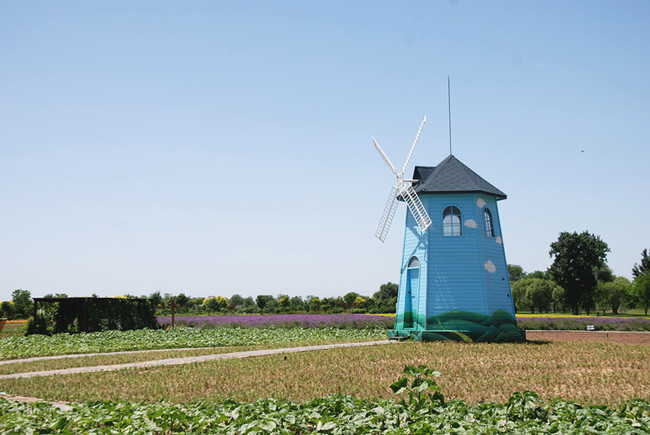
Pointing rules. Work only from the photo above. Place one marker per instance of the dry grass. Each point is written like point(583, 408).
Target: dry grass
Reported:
point(70, 361)
point(588, 373)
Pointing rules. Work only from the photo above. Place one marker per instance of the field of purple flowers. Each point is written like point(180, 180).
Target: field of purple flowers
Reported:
point(343, 321)
point(360, 321)
point(580, 323)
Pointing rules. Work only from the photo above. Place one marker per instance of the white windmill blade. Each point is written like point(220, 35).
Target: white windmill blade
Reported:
point(415, 206)
point(408, 158)
point(387, 216)
point(386, 159)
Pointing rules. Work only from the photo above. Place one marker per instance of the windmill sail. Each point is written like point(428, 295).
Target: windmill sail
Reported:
point(385, 157)
point(415, 142)
point(416, 207)
point(387, 216)
point(406, 193)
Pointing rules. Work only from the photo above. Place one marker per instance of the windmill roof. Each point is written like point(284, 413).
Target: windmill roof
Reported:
point(451, 175)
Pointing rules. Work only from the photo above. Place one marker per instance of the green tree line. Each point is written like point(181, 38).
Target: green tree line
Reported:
point(382, 301)
point(579, 279)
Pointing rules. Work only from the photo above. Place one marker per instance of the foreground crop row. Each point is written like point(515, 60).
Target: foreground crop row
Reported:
point(333, 414)
point(113, 341)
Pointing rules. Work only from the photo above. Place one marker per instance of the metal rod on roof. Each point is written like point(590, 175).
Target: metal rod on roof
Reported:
point(449, 110)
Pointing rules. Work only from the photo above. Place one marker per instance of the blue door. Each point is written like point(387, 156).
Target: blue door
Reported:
point(412, 293)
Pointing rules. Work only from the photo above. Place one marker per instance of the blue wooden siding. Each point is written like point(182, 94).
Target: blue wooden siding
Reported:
point(457, 273)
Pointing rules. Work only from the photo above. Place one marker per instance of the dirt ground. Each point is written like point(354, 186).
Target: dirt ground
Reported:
point(604, 336)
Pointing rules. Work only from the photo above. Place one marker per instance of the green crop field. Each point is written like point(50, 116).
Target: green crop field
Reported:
point(579, 386)
point(113, 341)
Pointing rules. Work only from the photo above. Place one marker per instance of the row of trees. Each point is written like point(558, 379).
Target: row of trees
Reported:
point(19, 307)
point(382, 301)
point(579, 278)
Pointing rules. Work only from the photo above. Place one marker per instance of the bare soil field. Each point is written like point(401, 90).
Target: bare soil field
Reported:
point(598, 336)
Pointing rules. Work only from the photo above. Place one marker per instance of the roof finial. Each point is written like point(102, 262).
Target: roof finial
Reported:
point(449, 110)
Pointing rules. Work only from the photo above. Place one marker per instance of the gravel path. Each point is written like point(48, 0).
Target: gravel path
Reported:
point(188, 360)
point(83, 355)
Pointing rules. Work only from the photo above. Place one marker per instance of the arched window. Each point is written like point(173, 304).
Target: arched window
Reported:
point(489, 228)
point(451, 220)
point(413, 263)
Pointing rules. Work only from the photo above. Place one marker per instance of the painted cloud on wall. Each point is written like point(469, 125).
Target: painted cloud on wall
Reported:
point(470, 223)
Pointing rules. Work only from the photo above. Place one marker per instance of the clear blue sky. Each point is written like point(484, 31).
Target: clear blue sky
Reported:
point(220, 147)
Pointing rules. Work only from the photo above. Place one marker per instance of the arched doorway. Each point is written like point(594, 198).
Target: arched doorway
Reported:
point(412, 292)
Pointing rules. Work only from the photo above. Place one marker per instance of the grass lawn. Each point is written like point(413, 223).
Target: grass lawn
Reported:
point(587, 373)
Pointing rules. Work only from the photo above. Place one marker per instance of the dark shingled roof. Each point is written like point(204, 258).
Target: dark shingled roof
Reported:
point(451, 175)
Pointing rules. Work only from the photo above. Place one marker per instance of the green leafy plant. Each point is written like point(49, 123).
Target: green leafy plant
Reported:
point(420, 385)
point(526, 406)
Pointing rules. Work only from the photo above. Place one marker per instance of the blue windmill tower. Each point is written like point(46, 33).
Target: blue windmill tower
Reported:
point(454, 282)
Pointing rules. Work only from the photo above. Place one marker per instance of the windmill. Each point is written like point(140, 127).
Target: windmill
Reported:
point(454, 282)
point(403, 189)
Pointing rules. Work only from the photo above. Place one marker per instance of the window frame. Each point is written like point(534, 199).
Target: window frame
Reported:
point(449, 229)
point(411, 264)
point(488, 221)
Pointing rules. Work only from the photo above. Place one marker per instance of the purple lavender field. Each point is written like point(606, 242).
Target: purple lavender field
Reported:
point(602, 323)
point(343, 321)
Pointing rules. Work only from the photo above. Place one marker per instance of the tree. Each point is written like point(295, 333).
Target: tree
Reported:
point(385, 299)
point(296, 303)
point(533, 293)
point(639, 269)
point(537, 274)
point(313, 302)
point(283, 301)
point(56, 295)
point(349, 299)
point(611, 294)
point(213, 304)
point(604, 274)
point(516, 273)
point(182, 300)
point(236, 301)
point(23, 303)
point(577, 260)
point(7, 309)
point(359, 302)
point(519, 297)
point(559, 299)
point(540, 293)
point(195, 303)
point(167, 299)
point(249, 302)
point(386, 291)
point(249, 305)
point(156, 299)
point(641, 290)
point(263, 301)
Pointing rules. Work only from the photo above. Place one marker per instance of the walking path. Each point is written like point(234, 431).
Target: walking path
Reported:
point(83, 355)
point(186, 360)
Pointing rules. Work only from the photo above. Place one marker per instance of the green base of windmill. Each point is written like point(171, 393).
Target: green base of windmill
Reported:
point(500, 327)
